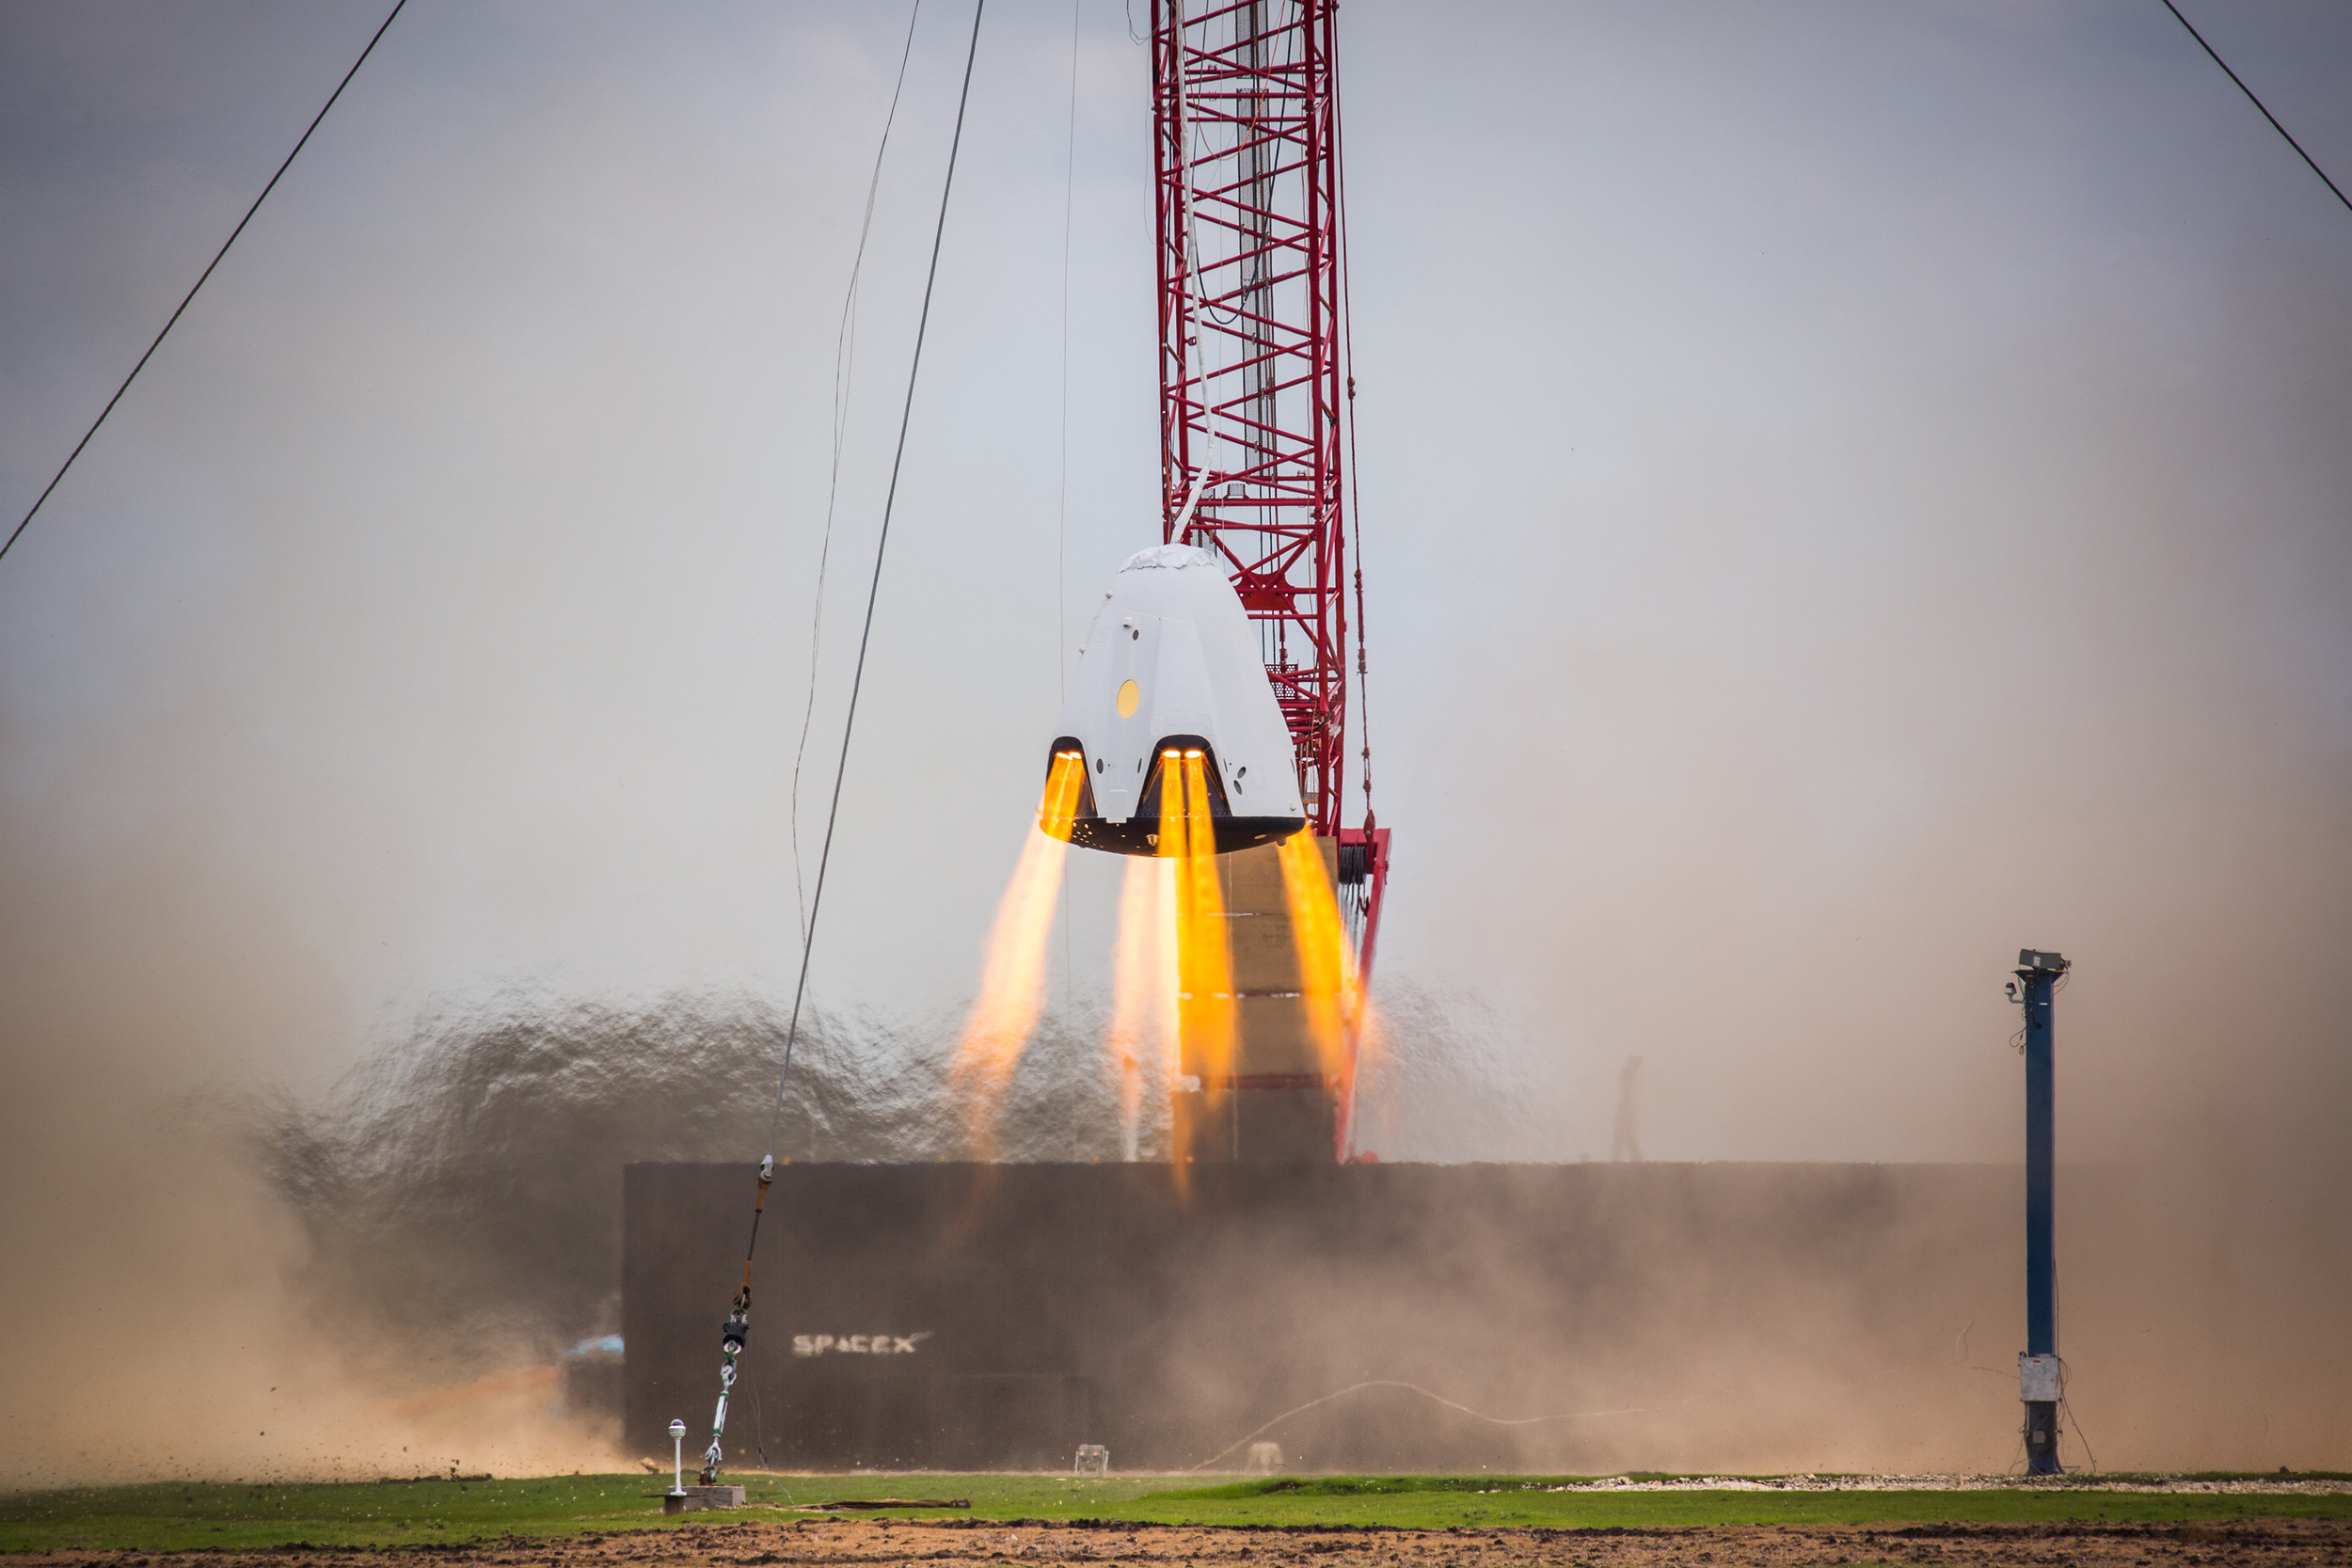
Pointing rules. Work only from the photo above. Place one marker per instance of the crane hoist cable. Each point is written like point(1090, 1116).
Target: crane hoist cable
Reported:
point(1196, 297)
point(844, 382)
point(736, 1329)
point(1355, 468)
point(2334, 188)
point(202, 277)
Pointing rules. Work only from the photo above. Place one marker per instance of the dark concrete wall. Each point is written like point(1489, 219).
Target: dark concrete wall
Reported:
point(1609, 1310)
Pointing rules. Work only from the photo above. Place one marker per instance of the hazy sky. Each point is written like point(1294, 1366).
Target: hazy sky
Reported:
point(1849, 490)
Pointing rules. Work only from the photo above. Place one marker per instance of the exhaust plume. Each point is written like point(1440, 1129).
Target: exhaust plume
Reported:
point(1013, 979)
point(1142, 1034)
point(1204, 963)
point(1325, 964)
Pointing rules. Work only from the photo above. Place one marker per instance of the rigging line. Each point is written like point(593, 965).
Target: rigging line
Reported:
point(1705, 1395)
point(2065, 1405)
point(1355, 465)
point(1196, 350)
point(873, 590)
point(2258, 103)
point(1414, 1387)
point(63, 468)
point(843, 372)
point(1061, 519)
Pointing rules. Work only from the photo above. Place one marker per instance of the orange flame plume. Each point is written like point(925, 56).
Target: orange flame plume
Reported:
point(1204, 961)
point(1143, 991)
point(1058, 812)
point(1325, 967)
point(1012, 980)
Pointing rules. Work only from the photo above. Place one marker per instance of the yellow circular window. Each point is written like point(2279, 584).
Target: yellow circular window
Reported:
point(1130, 695)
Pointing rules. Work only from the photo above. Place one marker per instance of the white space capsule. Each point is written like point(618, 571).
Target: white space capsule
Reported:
point(1171, 661)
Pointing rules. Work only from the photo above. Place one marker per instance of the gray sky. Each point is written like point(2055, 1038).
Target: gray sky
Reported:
point(1850, 490)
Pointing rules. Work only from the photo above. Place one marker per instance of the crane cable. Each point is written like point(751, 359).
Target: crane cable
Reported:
point(1196, 352)
point(1355, 500)
point(737, 1327)
point(202, 277)
point(1355, 465)
point(2258, 103)
point(1061, 521)
point(844, 383)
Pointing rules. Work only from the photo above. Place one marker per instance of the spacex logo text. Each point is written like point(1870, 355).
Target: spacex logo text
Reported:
point(858, 1344)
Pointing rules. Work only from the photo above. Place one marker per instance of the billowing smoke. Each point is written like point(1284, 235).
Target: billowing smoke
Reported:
point(459, 1192)
point(329, 1264)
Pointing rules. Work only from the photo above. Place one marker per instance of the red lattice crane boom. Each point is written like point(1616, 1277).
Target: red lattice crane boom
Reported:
point(1252, 380)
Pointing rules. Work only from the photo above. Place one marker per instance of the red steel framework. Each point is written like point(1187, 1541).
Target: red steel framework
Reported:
point(1246, 148)
point(1247, 152)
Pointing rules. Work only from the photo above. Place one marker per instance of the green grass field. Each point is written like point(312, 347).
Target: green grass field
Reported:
point(233, 1516)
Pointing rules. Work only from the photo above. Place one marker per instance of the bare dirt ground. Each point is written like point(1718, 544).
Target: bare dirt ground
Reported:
point(837, 1543)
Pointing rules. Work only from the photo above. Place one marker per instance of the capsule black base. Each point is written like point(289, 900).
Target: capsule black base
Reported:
point(1141, 835)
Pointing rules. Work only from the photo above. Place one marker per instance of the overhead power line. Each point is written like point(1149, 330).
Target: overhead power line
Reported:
point(58, 478)
point(2258, 103)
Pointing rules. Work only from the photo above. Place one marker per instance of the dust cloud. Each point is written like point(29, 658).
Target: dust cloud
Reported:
point(229, 1276)
point(376, 1278)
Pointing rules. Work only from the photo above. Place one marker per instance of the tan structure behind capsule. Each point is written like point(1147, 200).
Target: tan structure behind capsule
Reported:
point(1280, 1106)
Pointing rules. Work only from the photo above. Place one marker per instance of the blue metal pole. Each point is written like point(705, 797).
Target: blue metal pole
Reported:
point(2041, 1250)
point(2038, 1369)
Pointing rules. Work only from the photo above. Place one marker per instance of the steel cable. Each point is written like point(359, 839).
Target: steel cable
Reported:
point(59, 477)
point(873, 590)
point(2258, 103)
point(739, 1320)
point(737, 1327)
point(844, 380)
